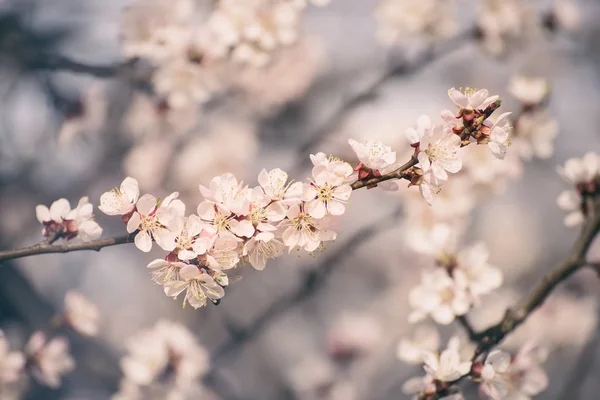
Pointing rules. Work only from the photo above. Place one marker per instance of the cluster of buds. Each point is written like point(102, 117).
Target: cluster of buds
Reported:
point(63, 224)
point(584, 174)
point(437, 147)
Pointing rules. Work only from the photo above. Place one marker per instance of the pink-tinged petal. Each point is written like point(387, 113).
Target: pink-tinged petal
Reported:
point(189, 272)
point(448, 116)
point(174, 288)
point(146, 204)
point(131, 189)
point(194, 225)
point(452, 165)
point(327, 235)
point(411, 135)
point(110, 204)
point(258, 263)
point(569, 200)
point(276, 211)
point(265, 227)
point(143, 241)
point(263, 178)
point(293, 211)
point(319, 159)
point(335, 208)
point(443, 315)
point(213, 290)
point(158, 263)
point(165, 238)
point(291, 237)
point(315, 208)
point(186, 255)
point(265, 237)
point(476, 99)
point(42, 213)
point(439, 172)
point(499, 360)
point(423, 124)
point(497, 150)
point(426, 193)
point(424, 162)
point(487, 102)
point(389, 158)
point(458, 98)
point(242, 228)
point(343, 192)
point(89, 230)
point(134, 222)
point(205, 192)
point(574, 219)
point(206, 211)
point(59, 209)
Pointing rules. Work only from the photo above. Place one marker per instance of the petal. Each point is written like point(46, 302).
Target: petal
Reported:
point(158, 263)
point(411, 135)
point(343, 192)
point(134, 222)
point(499, 360)
point(131, 189)
point(189, 272)
point(335, 208)
point(146, 204)
point(42, 213)
point(59, 209)
point(143, 241)
point(458, 98)
point(316, 208)
point(174, 288)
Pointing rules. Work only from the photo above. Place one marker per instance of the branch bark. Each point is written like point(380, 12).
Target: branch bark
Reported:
point(46, 248)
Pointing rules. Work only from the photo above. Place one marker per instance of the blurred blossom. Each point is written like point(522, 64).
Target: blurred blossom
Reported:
point(529, 90)
point(148, 162)
point(354, 333)
point(567, 14)
point(505, 22)
point(285, 79)
point(61, 223)
point(148, 118)
point(50, 359)
point(311, 376)
point(534, 134)
point(11, 364)
point(424, 338)
point(584, 174)
point(81, 313)
point(205, 156)
point(89, 115)
point(164, 359)
point(401, 20)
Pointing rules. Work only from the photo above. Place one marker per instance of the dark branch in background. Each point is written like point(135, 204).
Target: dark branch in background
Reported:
point(464, 322)
point(355, 99)
point(312, 281)
point(517, 315)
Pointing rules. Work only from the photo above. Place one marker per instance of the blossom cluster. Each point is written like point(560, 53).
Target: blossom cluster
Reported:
point(46, 356)
point(191, 48)
point(500, 375)
point(584, 174)
point(164, 362)
point(61, 223)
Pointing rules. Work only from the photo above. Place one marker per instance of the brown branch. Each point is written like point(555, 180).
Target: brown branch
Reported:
point(517, 315)
point(396, 174)
point(47, 248)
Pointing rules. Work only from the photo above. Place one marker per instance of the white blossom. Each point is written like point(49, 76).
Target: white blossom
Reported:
point(51, 358)
point(122, 200)
point(374, 155)
point(303, 231)
point(471, 100)
point(164, 271)
point(472, 271)
point(62, 223)
point(584, 174)
point(81, 314)
point(499, 136)
point(424, 338)
point(327, 193)
point(439, 153)
point(156, 221)
point(439, 296)
point(261, 248)
point(11, 363)
point(534, 134)
point(199, 287)
point(497, 363)
point(529, 90)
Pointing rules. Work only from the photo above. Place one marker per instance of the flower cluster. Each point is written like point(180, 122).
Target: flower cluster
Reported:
point(63, 224)
point(500, 375)
point(438, 147)
point(165, 362)
point(234, 222)
point(191, 58)
point(584, 174)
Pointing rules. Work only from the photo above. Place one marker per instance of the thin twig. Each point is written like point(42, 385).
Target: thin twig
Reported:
point(46, 248)
point(464, 322)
